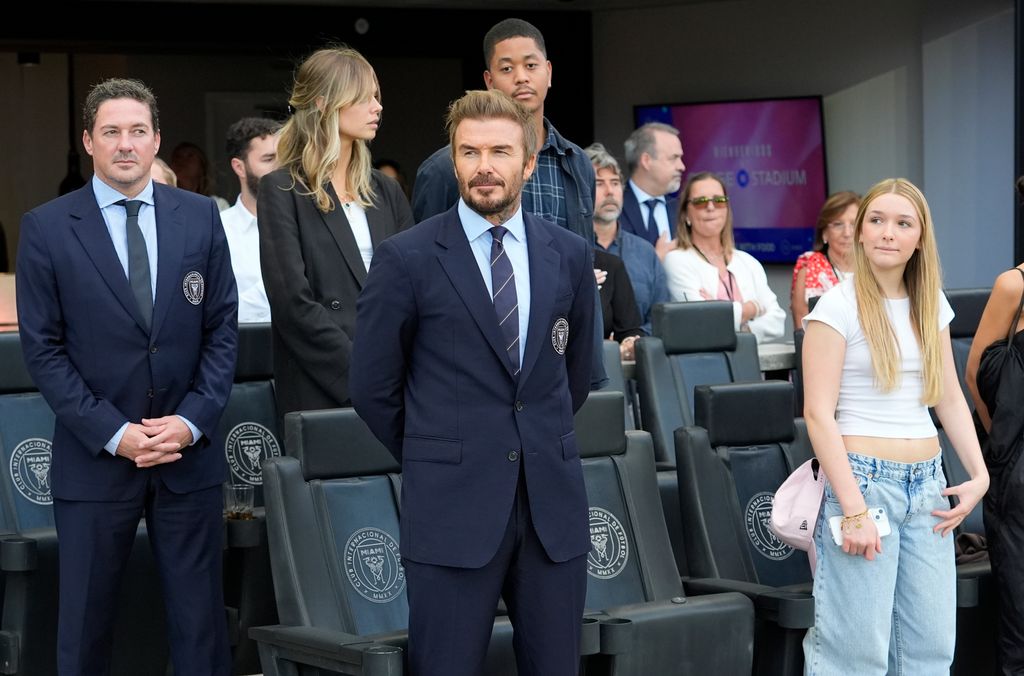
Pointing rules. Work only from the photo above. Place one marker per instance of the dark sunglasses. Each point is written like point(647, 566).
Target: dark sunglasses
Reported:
point(701, 202)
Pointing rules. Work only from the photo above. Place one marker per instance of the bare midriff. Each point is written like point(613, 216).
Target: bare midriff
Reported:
point(897, 450)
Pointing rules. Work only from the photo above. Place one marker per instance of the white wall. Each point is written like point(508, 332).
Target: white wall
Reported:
point(968, 148)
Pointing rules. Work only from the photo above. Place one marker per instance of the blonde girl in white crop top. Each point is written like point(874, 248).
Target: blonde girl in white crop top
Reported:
point(869, 379)
point(876, 355)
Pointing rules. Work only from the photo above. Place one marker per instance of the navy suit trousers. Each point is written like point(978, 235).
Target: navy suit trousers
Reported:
point(452, 610)
point(186, 532)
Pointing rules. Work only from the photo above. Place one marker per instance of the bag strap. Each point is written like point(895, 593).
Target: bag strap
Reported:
point(1016, 317)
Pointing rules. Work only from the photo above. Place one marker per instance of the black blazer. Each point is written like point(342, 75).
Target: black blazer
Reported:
point(618, 302)
point(313, 273)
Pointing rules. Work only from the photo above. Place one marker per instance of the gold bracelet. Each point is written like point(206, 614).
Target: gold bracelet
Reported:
point(855, 521)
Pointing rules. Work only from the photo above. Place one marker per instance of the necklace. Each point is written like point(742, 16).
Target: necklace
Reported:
point(840, 275)
point(713, 260)
point(729, 289)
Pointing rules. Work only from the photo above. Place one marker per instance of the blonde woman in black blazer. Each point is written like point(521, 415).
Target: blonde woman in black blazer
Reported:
point(320, 215)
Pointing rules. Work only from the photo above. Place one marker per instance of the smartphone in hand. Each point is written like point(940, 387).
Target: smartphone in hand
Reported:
point(877, 516)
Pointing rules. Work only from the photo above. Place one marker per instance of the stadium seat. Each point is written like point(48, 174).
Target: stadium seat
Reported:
point(332, 521)
point(249, 434)
point(730, 464)
point(648, 625)
point(28, 546)
point(694, 344)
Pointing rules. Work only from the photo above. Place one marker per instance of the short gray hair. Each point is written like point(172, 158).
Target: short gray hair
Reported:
point(602, 159)
point(642, 141)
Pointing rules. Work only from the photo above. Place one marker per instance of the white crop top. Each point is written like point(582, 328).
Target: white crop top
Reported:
point(863, 409)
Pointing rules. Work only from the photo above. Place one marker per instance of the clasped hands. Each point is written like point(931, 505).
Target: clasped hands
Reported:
point(156, 441)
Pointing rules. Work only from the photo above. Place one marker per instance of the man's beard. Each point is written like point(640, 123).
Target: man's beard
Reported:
point(252, 181)
point(607, 217)
point(490, 206)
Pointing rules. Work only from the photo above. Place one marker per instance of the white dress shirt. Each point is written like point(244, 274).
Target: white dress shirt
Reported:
point(244, 242)
point(660, 210)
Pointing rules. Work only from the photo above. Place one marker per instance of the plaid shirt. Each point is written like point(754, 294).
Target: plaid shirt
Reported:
point(544, 194)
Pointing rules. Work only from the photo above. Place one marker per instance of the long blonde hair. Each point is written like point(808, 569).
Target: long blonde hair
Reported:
point(923, 279)
point(310, 145)
point(683, 238)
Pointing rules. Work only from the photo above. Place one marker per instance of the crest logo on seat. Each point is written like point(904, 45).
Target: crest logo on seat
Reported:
point(247, 446)
point(758, 518)
point(373, 565)
point(30, 470)
point(609, 546)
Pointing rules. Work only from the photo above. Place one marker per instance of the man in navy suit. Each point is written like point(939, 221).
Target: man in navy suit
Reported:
point(654, 159)
point(127, 311)
point(472, 353)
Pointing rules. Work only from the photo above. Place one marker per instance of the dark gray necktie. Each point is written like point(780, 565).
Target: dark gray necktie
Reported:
point(138, 261)
point(652, 225)
point(503, 292)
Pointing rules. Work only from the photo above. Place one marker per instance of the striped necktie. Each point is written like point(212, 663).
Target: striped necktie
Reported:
point(506, 304)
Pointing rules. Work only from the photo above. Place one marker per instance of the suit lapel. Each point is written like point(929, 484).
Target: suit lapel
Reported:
point(377, 219)
point(631, 211)
point(170, 237)
point(544, 266)
point(461, 267)
point(91, 231)
point(340, 229)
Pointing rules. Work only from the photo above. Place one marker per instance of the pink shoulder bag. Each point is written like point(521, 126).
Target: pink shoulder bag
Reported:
point(796, 507)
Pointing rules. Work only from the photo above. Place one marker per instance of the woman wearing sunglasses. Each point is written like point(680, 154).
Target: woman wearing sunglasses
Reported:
point(707, 266)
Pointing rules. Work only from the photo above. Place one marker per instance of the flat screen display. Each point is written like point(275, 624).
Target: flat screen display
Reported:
point(770, 154)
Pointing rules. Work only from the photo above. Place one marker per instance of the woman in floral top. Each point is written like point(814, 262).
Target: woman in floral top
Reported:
point(831, 261)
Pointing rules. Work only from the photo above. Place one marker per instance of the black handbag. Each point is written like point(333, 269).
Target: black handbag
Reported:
point(1001, 386)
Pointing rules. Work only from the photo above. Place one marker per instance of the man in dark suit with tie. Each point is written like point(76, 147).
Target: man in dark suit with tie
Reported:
point(472, 354)
point(654, 159)
point(127, 312)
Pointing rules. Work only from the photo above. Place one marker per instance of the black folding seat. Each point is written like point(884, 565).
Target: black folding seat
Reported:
point(617, 382)
point(249, 433)
point(730, 464)
point(332, 521)
point(28, 547)
point(649, 626)
point(976, 625)
point(693, 344)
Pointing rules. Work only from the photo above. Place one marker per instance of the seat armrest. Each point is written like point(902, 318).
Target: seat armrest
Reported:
point(245, 533)
point(657, 637)
point(328, 649)
point(18, 554)
point(787, 609)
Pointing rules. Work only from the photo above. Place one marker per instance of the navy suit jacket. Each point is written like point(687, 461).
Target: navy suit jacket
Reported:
point(91, 358)
point(431, 378)
point(631, 220)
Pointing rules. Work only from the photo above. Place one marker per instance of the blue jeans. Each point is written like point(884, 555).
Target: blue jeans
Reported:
point(896, 614)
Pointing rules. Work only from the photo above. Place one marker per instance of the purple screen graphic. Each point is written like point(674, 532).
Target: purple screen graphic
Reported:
point(771, 156)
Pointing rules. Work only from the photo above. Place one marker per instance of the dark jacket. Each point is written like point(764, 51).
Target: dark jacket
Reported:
point(618, 303)
point(313, 273)
point(89, 354)
point(632, 220)
point(431, 378)
point(436, 189)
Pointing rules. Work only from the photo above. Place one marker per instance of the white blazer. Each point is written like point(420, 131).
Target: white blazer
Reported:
point(688, 273)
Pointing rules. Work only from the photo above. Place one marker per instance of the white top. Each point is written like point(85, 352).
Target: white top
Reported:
point(661, 218)
point(863, 409)
point(244, 243)
point(688, 273)
point(356, 216)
